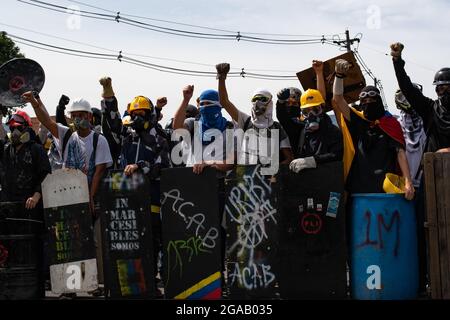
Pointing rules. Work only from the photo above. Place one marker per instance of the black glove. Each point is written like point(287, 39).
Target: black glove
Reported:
point(63, 101)
point(284, 94)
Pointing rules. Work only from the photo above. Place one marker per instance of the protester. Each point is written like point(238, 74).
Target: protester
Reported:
point(260, 123)
point(24, 166)
point(375, 146)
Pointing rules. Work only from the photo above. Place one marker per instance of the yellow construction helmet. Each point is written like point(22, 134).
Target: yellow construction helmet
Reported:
point(311, 98)
point(394, 183)
point(140, 103)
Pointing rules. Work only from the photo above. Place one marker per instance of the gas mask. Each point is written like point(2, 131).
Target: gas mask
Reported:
point(138, 123)
point(312, 118)
point(19, 136)
point(81, 123)
point(401, 102)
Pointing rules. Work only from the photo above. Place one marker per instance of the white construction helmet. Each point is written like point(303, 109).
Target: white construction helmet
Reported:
point(80, 105)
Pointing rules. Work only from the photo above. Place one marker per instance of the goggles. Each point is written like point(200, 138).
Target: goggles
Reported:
point(263, 99)
point(315, 111)
point(366, 94)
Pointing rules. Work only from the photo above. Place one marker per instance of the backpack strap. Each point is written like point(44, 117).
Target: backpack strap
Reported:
point(94, 144)
point(66, 138)
point(247, 123)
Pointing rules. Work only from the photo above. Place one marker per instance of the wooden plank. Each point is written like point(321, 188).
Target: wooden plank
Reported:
point(445, 198)
point(442, 223)
point(432, 230)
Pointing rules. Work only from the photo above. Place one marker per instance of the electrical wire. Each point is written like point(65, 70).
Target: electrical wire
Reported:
point(238, 36)
point(126, 59)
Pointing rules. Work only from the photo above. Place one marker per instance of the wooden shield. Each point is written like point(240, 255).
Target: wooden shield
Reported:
point(353, 83)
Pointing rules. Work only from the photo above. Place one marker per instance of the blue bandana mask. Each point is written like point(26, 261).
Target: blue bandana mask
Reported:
point(211, 118)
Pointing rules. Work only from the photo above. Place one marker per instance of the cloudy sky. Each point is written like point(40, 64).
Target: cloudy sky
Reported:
point(421, 25)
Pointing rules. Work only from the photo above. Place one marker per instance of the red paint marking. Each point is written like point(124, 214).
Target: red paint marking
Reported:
point(213, 295)
point(311, 223)
point(16, 83)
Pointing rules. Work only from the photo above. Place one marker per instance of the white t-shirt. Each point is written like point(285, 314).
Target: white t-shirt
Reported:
point(250, 148)
point(78, 153)
point(208, 152)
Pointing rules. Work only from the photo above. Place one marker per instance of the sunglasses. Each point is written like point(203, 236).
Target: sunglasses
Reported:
point(366, 94)
point(260, 98)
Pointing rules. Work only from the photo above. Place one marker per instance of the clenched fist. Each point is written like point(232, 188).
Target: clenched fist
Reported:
point(188, 91)
point(222, 70)
point(106, 83)
point(396, 50)
point(341, 67)
point(317, 66)
point(161, 102)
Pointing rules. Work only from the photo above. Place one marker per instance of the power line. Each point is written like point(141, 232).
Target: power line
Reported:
point(238, 36)
point(134, 54)
point(199, 26)
point(123, 58)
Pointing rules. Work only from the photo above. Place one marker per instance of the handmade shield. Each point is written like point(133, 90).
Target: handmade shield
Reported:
point(191, 234)
point(18, 76)
point(71, 249)
point(252, 234)
point(354, 82)
point(127, 237)
point(312, 249)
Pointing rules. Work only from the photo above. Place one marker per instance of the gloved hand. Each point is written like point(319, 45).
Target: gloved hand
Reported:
point(302, 163)
point(108, 92)
point(396, 50)
point(284, 94)
point(63, 101)
point(222, 70)
point(341, 68)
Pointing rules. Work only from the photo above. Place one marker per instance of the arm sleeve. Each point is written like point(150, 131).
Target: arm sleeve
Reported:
point(416, 99)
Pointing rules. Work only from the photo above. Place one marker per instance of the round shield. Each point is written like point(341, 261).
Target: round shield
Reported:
point(18, 76)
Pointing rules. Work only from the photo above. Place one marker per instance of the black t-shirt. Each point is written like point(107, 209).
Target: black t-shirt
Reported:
point(375, 155)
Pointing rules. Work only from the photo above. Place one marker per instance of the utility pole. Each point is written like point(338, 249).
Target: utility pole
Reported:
point(347, 42)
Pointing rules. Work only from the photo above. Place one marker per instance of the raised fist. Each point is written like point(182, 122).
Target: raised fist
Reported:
point(188, 91)
point(396, 50)
point(106, 82)
point(341, 67)
point(63, 101)
point(222, 70)
point(284, 94)
point(161, 102)
point(317, 66)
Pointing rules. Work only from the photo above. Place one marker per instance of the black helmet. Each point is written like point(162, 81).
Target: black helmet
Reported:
point(442, 77)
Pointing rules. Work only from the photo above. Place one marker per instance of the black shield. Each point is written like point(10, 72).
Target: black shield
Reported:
point(18, 76)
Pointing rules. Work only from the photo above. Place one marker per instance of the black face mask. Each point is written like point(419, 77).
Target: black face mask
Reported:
point(294, 111)
point(138, 123)
point(445, 100)
point(372, 111)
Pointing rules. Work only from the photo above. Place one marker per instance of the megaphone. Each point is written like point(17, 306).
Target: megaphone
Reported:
point(18, 76)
